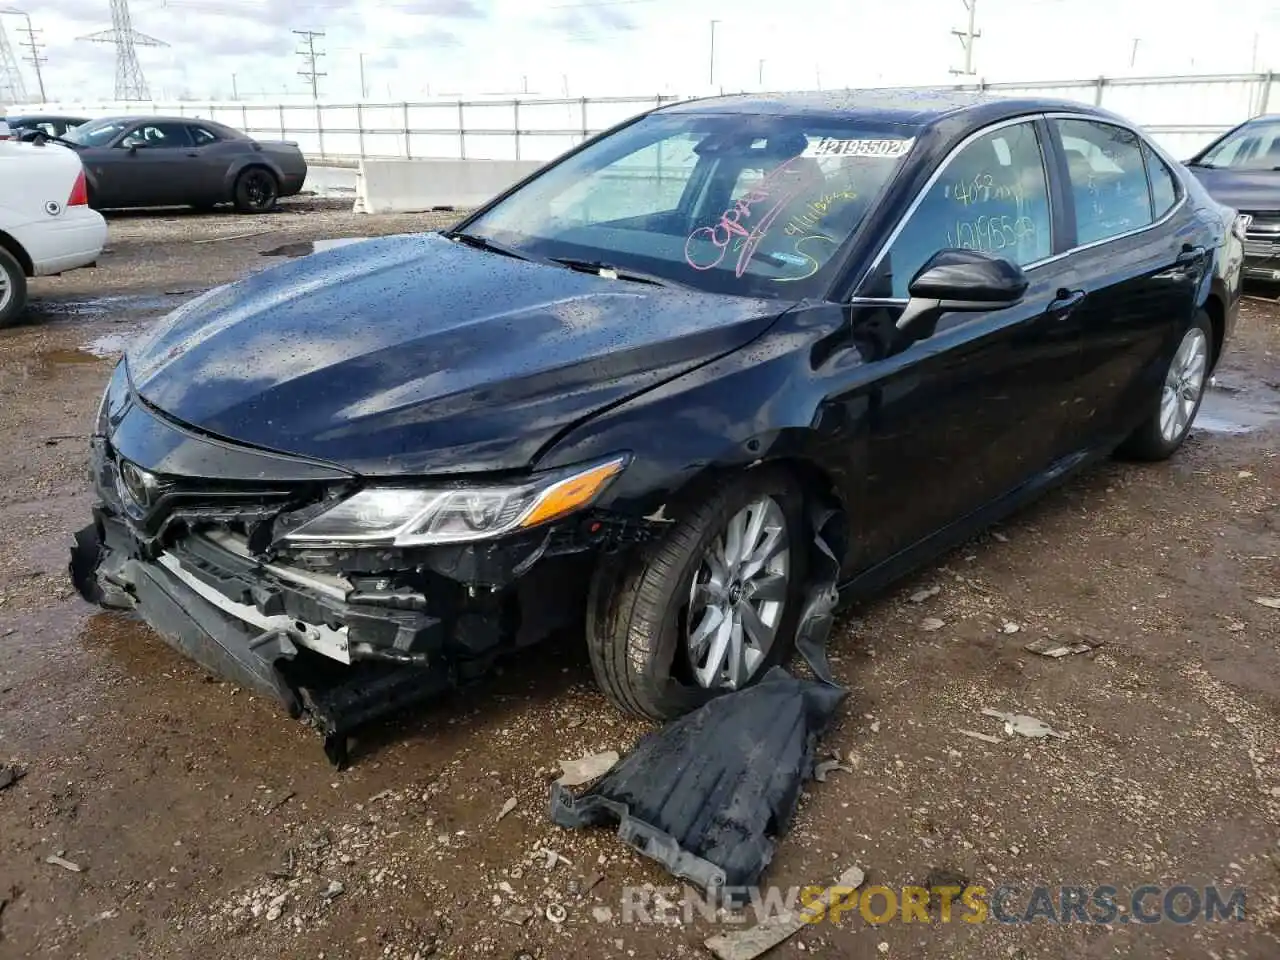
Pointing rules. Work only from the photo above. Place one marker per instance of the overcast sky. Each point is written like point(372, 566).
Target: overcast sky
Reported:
point(414, 48)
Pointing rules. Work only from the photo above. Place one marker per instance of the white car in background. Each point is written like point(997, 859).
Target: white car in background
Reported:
point(46, 226)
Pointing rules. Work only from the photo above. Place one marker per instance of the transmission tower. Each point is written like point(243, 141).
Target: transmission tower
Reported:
point(12, 89)
point(309, 57)
point(130, 83)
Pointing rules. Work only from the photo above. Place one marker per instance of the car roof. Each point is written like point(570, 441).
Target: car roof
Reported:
point(915, 106)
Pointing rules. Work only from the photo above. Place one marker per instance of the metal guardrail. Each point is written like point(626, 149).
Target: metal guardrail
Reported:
point(516, 128)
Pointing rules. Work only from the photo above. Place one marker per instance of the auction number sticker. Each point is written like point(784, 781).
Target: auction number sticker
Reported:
point(832, 147)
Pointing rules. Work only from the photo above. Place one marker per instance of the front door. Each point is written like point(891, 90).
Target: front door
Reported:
point(962, 417)
point(154, 163)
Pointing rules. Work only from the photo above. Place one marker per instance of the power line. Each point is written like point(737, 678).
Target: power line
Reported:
point(130, 83)
point(309, 58)
point(967, 36)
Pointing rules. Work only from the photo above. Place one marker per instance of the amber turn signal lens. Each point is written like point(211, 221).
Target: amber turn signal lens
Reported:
point(572, 493)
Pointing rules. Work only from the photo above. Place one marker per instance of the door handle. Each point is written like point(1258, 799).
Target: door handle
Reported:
point(193, 154)
point(1190, 255)
point(1065, 302)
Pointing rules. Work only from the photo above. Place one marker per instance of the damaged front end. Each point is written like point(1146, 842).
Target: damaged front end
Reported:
point(343, 599)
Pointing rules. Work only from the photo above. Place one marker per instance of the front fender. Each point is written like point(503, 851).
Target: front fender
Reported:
point(764, 402)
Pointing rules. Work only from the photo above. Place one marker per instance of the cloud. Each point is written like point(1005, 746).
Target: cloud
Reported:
point(589, 20)
point(449, 9)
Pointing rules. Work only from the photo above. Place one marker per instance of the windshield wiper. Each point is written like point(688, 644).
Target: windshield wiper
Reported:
point(610, 272)
point(484, 243)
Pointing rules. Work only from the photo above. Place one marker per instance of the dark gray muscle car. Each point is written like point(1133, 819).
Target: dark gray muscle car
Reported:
point(1242, 170)
point(183, 161)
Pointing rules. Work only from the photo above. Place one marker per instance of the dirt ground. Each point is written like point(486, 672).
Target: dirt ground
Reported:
point(207, 824)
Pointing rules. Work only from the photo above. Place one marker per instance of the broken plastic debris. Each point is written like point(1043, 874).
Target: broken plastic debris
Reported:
point(920, 596)
point(586, 769)
point(1049, 647)
point(1023, 725)
point(1010, 627)
point(553, 858)
point(764, 936)
point(818, 615)
point(827, 766)
point(556, 913)
point(975, 735)
point(58, 861)
point(932, 623)
point(507, 807)
point(709, 794)
point(334, 889)
point(1272, 602)
point(999, 537)
point(517, 915)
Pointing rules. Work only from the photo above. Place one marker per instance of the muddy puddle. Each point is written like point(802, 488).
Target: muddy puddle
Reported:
point(304, 248)
point(1237, 406)
point(96, 308)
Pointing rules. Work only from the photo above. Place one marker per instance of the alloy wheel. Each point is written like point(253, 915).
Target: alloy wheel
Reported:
point(738, 596)
point(1183, 385)
point(259, 190)
point(6, 291)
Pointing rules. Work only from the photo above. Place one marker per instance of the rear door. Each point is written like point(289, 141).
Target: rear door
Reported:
point(1139, 254)
point(965, 416)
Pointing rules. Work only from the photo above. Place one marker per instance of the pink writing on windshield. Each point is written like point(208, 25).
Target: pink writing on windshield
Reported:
point(730, 226)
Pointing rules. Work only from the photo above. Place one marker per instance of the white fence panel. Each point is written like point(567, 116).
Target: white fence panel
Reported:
point(1181, 113)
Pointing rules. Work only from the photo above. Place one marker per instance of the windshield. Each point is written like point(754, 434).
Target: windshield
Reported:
point(746, 205)
point(1255, 146)
point(97, 133)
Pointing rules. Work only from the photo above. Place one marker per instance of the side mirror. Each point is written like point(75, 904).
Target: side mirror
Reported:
point(133, 145)
point(954, 281)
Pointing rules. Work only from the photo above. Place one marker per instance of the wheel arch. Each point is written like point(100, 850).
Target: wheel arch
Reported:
point(243, 165)
point(1217, 311)
point(11, 244)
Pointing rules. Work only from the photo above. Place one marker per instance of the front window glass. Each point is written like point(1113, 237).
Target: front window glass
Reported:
point(1255, 146)
point(991, 196)
point(99, 133)
point(748, 205)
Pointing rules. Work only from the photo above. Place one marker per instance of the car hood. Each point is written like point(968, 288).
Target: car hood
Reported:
point(1245, 190)
point(418, 355)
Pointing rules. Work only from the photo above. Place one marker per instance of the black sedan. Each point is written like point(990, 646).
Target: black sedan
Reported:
point(33, 127)
point(678, 386)
point(1242, 169)
point(177, 161)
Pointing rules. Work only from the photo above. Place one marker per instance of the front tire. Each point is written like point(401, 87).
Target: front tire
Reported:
point(13, 288)
point(1175, 407)
point(709, 607)
point(256, 191)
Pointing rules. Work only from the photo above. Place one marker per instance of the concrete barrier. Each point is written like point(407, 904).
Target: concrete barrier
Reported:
point(407, 186)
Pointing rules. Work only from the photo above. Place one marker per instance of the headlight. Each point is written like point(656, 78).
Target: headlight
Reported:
point(405, 517)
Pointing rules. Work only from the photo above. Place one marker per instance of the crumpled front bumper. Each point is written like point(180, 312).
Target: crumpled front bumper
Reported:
point(339, 637)
point(210, 606)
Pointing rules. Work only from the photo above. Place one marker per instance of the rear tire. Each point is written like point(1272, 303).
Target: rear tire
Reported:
point(639, 608)
point(256, 191)
point(1175, 405)
point(13, 289)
